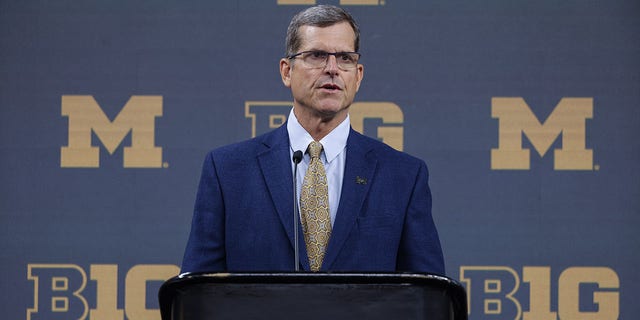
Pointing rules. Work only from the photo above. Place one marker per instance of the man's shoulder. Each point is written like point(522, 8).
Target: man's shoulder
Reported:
point(252, 146)
point(384, 152)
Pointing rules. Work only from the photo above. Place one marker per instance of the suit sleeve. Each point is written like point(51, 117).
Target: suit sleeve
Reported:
point(205, 250)
point(420, 249)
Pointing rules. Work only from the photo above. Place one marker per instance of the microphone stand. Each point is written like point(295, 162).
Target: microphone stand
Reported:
point(297, 157)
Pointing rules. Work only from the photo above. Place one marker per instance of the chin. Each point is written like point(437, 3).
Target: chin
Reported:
point(331, 106)
point(330, 110)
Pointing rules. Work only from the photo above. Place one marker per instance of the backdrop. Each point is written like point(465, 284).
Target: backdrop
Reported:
point(526, 112)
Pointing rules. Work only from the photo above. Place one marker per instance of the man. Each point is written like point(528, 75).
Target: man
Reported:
point(378, 213)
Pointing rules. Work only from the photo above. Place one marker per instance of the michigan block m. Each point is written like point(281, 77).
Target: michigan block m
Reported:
point(567, 119)
point(137, 116)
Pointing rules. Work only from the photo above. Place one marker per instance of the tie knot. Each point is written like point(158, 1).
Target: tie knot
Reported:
point(315, 148)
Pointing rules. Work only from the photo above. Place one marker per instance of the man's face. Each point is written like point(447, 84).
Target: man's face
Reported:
point(323, 92)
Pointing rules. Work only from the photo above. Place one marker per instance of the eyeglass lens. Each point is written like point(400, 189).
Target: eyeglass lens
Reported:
point(319, 58)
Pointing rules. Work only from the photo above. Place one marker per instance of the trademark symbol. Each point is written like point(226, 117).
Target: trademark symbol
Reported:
point(165, 165)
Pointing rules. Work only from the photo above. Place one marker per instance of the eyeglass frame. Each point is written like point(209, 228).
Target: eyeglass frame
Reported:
point(335, 54)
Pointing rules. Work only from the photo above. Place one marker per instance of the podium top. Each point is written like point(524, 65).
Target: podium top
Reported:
point(449, 288)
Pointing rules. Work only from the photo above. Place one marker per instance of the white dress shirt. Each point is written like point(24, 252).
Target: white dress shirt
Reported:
point(333, 157)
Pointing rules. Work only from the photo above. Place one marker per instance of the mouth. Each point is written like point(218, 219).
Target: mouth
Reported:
point(330, 87)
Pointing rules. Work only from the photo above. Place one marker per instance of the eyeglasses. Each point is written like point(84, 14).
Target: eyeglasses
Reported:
point(318, 58)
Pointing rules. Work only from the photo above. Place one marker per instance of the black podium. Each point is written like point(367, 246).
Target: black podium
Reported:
point(309, 296)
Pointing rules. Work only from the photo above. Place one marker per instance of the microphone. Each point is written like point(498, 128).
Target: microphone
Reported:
point(297, 157)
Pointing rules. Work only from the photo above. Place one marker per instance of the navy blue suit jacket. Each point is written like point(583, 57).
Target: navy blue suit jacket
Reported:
point(243, 217)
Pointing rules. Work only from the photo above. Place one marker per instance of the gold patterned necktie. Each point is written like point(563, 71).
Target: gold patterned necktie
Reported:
point(314, 205)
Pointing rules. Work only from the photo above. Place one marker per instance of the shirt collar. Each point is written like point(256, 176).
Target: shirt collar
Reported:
point(333, 143)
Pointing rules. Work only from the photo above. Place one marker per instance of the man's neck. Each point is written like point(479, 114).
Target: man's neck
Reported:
point(317, 126)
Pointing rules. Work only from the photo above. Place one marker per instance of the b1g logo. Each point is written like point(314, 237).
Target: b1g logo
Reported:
point(495, 292)
point(567, 119)
point(137, 116)
point(60, 291)
point(379, 120)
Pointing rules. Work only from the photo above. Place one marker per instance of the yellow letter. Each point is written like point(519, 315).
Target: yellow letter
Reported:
point(516, 118)
point(496, 285)
point(106, 277)
point(390, 113)
point(539, 279)
point(137, 116)
point(136, 289)
point(569, 293)
point(57, 289)
point(266, 115)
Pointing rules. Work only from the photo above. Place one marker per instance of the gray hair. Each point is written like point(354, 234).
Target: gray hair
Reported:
point(318, 16)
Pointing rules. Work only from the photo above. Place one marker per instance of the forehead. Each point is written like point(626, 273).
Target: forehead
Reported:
point(336, 37)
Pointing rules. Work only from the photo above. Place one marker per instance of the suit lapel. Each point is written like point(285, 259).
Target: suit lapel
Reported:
point(276, 170)
point(358, 174)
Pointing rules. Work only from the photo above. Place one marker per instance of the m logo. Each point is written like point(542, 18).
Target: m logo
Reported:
point(379, 120)
point(516, 118)
point(137, 116)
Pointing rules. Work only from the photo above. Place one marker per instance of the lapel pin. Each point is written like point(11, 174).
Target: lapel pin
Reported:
point(360, 180)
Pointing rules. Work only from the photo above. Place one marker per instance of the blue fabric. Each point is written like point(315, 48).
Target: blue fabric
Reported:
point(243, 217)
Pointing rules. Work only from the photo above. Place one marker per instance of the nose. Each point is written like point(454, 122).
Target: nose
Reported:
point(332, 65)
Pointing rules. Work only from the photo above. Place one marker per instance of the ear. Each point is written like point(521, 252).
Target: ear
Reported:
point(285, 72)
point(359, 76)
